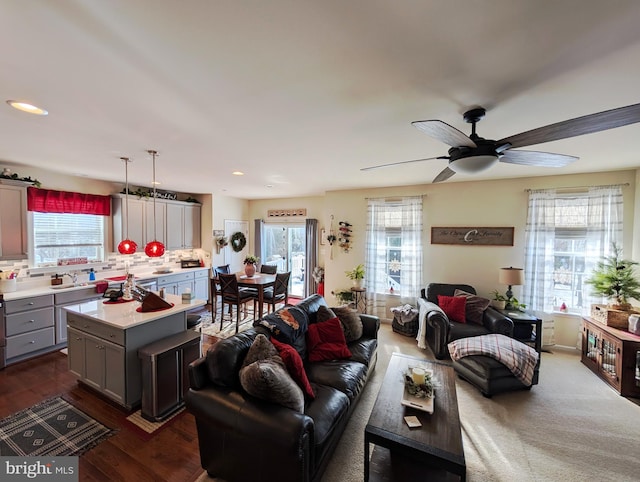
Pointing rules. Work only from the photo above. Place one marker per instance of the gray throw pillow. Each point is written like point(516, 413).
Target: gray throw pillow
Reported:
point(261, 349)
point(325, 313)
point(269, 380)
point(475, 306)
point(351, 322)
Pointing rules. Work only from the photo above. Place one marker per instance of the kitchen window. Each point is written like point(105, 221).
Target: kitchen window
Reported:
point(67, 225)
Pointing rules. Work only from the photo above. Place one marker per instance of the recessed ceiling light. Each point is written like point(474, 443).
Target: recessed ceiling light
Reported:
point(29, 108)
point(238, 173)
point(269, 185)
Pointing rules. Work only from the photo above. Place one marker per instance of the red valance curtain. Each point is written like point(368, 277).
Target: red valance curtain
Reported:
point(48, 201)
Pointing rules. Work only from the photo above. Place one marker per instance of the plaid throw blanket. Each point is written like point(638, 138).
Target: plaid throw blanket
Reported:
point(521, 359)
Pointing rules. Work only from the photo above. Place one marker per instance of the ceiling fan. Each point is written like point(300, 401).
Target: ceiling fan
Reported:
point(472, 154)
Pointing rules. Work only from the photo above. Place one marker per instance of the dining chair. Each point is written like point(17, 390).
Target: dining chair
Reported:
point(233, 296)
point(215, 292)
point(269, 269)
point(224, 269)
point(279, 293)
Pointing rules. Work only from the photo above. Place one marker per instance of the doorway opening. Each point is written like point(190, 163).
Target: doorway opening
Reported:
point(284, 246)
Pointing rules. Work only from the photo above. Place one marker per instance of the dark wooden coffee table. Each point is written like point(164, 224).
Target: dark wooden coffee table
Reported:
point(438, 443)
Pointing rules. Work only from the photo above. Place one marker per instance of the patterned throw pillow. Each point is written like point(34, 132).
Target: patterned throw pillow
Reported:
point(453, 307)
point(351, 322)
point(325, 341)
point(286, 324)
point(295, 366)
point(474, 307)
point(267, 378)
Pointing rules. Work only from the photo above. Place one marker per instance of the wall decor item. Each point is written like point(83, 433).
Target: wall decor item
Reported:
point(238, 241)
point(472, 236)
point(344, 236)
point(278, 213)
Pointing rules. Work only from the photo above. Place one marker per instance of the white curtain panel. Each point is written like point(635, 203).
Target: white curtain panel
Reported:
point(603, 228)
point(390, 218)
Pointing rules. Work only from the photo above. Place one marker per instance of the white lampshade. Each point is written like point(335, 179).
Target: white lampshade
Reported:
point(473, 164)
point(511, 276)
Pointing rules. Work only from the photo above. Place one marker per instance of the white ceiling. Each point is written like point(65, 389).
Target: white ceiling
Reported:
point(302, 94)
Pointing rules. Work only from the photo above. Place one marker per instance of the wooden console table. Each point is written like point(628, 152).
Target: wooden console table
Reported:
point(614, 355)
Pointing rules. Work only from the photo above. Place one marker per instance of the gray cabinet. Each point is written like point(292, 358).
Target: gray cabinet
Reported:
point(196, 281)
point(13, 222)
point(29, 328)
point(177, 223)
point(99, 363)
point(201, 284)
point(183, 225)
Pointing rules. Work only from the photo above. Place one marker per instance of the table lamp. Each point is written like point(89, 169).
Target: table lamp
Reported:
point(510, 276)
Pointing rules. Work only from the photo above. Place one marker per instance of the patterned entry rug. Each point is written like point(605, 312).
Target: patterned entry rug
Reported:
point(212, 328)
point(51, 428)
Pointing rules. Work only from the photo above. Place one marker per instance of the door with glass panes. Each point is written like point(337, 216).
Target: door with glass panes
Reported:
point(284, 246)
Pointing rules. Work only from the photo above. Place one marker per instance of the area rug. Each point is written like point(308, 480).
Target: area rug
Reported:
point(51, 428)
point(146, 429)
point(208, 327)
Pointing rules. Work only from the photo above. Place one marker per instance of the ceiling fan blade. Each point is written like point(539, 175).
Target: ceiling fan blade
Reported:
point(370, 168)
point(601, 121)
point(444, 132)
point(445, 174)
point(535, 158)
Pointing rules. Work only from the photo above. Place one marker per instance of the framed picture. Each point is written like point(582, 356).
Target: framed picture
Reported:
point(472, 236)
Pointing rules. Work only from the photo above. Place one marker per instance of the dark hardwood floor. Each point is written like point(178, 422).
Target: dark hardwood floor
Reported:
point(171, 455)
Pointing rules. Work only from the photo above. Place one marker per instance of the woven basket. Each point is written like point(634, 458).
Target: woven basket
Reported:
point(610, 317)
point(409, 328)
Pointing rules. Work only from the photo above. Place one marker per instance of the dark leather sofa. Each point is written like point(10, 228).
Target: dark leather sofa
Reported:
point(440, 330)
point(244, 438)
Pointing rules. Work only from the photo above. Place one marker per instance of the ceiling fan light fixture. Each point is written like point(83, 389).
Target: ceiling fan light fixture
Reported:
point(473, 164)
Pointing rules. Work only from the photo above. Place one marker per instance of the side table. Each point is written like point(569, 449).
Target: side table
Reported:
point(360, 299)
point(527, 328)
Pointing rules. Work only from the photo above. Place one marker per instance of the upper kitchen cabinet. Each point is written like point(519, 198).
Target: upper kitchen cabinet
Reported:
point(183, 225)
point(177, 223)
point(137, 218)
point(13, 222)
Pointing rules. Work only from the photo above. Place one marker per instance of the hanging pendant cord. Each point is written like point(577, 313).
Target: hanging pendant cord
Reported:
point(154, 153)
point(126, 192)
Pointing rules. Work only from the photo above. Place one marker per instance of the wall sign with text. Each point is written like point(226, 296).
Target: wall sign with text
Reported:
point(472, 236)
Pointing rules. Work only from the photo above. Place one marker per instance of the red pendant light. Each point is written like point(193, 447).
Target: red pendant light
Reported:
point(155, 248)
point(126, 246)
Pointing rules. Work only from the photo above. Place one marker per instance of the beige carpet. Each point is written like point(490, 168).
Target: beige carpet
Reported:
point(569, 427)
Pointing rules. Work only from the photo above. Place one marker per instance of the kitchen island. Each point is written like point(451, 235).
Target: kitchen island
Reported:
point(104, 338)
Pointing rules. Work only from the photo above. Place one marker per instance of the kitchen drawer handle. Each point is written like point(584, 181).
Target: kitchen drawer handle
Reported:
point(32, 321)
point(32, 342)
point(31, 303)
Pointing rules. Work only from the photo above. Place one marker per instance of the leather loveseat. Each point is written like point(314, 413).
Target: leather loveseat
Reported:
point(244, 438)
point(440, 330)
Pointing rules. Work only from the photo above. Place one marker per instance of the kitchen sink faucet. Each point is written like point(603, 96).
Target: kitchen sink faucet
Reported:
point(73, 276)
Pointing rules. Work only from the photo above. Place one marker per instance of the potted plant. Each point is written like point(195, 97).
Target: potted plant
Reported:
point(498, 301)
point(344, 297)
point(614, 278)
point(221, 242)
point(250, 265)
point(356, 275)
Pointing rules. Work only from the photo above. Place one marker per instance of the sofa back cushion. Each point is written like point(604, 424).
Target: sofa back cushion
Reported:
point(310, 305)
point(445, 289)
point(225, 358)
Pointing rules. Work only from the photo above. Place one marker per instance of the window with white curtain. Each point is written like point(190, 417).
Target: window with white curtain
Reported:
point(567, 233)
point(393, 261)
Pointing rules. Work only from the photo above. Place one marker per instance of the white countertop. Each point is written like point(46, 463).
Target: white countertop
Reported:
point(124, 315)
point(46, 289)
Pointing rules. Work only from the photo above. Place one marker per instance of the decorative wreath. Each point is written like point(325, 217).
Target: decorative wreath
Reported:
point(238, 241)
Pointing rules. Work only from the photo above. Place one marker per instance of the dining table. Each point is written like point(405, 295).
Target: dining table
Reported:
point(259, 281)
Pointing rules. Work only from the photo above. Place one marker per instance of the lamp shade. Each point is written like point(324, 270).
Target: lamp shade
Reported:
point(511, 276)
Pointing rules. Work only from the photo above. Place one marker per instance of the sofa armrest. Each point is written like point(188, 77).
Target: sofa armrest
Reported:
point(198, 374)
point(232, 424)
point(496, 322)
point(436, 327)
point(370, 326)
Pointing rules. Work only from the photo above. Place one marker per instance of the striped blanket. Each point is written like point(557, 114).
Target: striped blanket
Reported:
point(521, 359)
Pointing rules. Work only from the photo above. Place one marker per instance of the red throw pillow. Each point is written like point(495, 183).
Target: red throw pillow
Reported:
point(325, 341)
point(453, 307)
point(295, 367)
